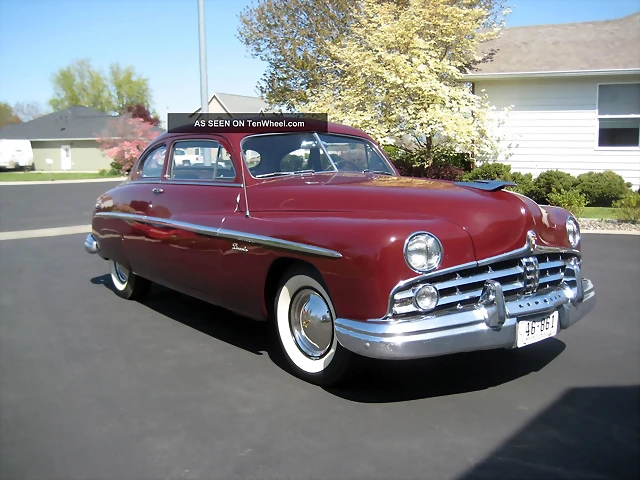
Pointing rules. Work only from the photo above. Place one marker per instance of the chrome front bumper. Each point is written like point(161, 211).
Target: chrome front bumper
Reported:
point(90, 244)
point(485, 326)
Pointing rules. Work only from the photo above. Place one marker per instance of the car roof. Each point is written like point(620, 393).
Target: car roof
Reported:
point(336, 128)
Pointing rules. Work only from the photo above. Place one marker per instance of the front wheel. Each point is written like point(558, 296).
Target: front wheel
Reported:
point(126, 283)
point(304, 317)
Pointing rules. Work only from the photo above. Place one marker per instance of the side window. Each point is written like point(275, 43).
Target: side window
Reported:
point(201, 160)
point(153, 163)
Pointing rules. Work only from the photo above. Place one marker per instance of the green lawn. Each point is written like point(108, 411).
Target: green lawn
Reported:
point(599, 212)
point(40, 176)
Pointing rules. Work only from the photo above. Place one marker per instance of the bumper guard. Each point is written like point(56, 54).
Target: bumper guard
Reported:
point(489, 324)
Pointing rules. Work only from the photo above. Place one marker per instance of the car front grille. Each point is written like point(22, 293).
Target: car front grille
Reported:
point(518, 277)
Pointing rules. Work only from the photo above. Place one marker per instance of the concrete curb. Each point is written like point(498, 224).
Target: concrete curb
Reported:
point(57, 182)
point(612, 232)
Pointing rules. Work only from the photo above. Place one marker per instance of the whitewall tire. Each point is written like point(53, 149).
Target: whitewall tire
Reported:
point(127, 284)
point(304, 318)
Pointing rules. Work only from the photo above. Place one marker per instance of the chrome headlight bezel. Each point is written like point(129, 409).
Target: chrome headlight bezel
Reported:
point(433, 255)
point(573, 232)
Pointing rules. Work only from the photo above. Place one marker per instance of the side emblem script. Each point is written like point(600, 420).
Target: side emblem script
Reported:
point(235, 246)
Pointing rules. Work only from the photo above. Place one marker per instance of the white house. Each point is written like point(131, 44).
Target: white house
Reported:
point(574, 94)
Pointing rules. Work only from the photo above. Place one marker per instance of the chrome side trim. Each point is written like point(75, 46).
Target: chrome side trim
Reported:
point(277, 243)
point(530, 248)
point(208, 183)
point(270, 242)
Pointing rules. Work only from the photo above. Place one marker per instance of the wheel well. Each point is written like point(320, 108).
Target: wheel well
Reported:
point(276, 270)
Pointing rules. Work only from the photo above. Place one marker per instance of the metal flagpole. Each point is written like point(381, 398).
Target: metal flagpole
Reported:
point(204, 96)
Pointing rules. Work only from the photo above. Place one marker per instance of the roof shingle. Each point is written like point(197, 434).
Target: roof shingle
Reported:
point(586, 46)
point(71, 123)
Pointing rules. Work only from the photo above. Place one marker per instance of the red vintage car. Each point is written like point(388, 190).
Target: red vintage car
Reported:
point(317, 233)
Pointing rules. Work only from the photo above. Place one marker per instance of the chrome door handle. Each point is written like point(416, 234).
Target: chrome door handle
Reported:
point(157, 191)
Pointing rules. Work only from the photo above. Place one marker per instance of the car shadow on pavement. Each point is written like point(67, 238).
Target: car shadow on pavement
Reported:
point(590, 432)
point(398, 381)
point(209, 319)
point(375, 381)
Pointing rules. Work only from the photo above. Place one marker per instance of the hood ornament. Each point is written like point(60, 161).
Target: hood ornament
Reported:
point(532, 238)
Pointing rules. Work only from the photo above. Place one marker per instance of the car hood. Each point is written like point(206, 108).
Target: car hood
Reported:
point(497, 222)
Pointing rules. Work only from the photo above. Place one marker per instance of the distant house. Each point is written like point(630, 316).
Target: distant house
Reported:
point(229, 104)
point(68, 137)
point(574, 93)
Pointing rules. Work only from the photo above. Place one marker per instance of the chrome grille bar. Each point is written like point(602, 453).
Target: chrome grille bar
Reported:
point(492, 275)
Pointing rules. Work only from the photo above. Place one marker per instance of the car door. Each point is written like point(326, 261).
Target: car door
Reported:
point(139, 239)
point(190, 208)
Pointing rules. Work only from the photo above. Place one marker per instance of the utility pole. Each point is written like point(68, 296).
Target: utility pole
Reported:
point(204, 96)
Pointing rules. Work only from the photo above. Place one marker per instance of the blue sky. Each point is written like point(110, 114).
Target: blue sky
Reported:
point(160, 39)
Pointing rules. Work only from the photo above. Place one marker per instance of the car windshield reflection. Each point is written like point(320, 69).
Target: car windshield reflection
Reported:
point(297, 153)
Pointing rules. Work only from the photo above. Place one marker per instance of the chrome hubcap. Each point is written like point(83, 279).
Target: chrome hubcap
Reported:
point(122, 273)
point(311, 323)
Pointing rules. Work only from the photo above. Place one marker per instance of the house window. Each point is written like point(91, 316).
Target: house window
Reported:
point(619, 115)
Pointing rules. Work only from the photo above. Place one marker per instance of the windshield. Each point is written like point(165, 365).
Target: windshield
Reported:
point(273, 155)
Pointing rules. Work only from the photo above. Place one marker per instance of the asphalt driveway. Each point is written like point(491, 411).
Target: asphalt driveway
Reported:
point(93, 386)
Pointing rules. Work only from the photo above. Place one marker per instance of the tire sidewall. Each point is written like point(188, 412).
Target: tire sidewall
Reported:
point(117, 284)
point(336, 363)
point(282, 311)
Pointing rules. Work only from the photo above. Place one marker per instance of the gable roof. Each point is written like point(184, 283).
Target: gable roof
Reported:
point(73, 123)
point(570, 47)
point(238, 103)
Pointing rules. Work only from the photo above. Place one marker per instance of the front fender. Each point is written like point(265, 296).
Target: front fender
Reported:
point(372, 259)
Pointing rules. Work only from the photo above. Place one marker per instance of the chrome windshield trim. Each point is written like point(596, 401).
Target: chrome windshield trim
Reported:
point(530, 248)
point(326, 152)
point(270, 242)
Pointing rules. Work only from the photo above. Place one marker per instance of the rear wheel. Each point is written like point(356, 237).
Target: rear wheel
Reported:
point(304, 317)
point(126, 283)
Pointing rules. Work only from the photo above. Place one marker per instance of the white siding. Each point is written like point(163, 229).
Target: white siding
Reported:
point(553, 125)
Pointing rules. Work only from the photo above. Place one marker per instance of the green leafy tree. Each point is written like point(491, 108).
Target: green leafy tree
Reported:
point(128, 88)
point(82, 84)
point(391, 67)
point(7, 115)
point(29, 111)
point(296, 38)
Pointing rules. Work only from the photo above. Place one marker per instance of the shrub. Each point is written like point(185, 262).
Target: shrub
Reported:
point(571, 200)
point(602, 188)
point(438, 163)
point(489, 171)
point(102, 172)
point(551, 180)
point(524, 183)
point(628, 208)
point(501, 171)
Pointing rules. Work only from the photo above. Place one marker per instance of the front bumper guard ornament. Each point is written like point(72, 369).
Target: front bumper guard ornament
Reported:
point(492, 299)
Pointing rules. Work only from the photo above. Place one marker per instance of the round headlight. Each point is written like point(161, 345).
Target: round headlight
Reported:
point(573, 232)
point(423, 252)
point(426, 297)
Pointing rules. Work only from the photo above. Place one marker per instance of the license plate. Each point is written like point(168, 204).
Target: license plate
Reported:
point(532, 331)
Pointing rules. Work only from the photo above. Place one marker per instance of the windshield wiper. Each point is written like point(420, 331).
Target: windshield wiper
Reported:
point(381, 172)
point(277, 174)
